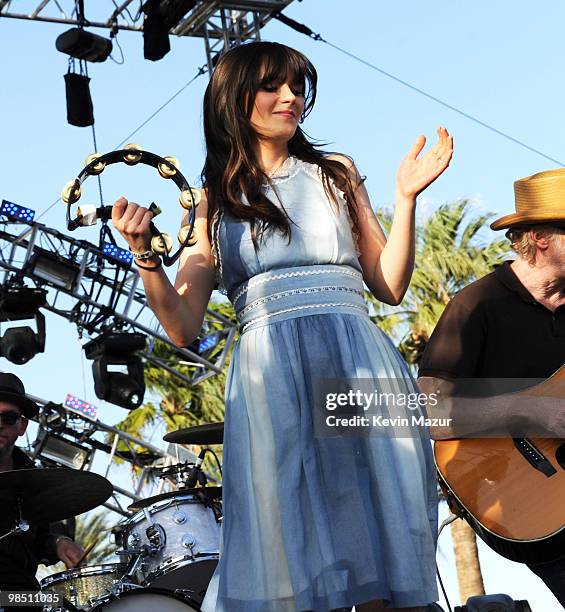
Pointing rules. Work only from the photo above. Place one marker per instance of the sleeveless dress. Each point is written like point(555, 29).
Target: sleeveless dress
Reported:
point(311, 521)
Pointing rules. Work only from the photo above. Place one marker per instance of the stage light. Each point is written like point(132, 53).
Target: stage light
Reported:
point(17, 302)
point(81, 406)
point(20, 344)
point(118, 349)
point(205, 345)
point(84, 45)
point(53, 417)
point(160, 17)
point(53, 268)
point(14, 212)
point(56, 449)
point(156, 42)
point(115, 252)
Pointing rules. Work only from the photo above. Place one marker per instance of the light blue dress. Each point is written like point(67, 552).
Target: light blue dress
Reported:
point(312, 522)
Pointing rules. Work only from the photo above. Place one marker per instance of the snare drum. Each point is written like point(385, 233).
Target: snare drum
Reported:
point(84, 585)
point(144, 600)
point(178, 539)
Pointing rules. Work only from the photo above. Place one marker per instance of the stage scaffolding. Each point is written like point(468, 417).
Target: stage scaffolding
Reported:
point(220, 23)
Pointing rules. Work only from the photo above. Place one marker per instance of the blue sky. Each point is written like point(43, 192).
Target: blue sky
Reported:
point(500, 61)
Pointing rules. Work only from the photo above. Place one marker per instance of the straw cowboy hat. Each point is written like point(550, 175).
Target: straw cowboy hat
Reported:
point(539, 198)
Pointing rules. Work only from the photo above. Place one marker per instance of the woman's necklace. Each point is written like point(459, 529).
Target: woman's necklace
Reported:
point(273, 172)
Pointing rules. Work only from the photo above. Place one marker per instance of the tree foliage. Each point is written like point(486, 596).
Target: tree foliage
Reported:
point(451, 253)
point(95, 529)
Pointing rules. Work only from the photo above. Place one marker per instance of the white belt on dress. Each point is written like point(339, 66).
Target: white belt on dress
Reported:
point(299, 291)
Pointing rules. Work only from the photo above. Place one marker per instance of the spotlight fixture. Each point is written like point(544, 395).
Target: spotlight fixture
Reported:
point(207, 344)
point(14, 212)
point(121, 255)
point(17, 302)
point(204, 345)
point(20, 344)
point(53, 268)
point(56, 449)
point(118, 349)
point(53, 417)
point(81, 406)
point(84, 45)
point(156, 42)
point(160, 17)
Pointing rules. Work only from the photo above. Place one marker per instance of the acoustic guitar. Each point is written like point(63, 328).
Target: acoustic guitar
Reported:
point(510, 490)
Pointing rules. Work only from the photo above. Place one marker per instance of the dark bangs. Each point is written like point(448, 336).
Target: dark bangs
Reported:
point(275, 63)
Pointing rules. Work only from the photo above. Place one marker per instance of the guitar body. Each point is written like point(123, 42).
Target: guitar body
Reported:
point(511, 491)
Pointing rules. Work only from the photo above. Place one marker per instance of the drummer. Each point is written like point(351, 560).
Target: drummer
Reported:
point(20, 554)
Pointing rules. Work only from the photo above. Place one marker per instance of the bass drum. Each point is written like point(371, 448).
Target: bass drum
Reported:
point(145, 600)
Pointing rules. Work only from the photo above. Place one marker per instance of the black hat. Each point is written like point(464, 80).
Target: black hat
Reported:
point(12, 390)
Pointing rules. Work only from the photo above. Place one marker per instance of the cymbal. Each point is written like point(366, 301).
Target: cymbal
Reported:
point(53, 494)
point(210, 492)
point(212, 433)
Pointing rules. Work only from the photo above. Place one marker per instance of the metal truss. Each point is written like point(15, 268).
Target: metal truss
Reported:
point(69, 438)
point(221, 23)
point(98, 293)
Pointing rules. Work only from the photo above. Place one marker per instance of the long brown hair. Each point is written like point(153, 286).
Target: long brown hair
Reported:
point(231, 169)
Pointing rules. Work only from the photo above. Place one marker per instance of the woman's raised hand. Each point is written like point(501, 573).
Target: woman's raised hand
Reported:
point(416, 173)
point(133, 223)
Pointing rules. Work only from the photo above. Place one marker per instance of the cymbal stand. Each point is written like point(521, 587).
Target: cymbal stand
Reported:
point(21, 525)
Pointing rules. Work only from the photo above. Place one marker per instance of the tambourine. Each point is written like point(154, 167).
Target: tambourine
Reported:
point(131, 154)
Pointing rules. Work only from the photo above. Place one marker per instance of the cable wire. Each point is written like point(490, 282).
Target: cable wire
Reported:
point(202, 70)
point(303, 29)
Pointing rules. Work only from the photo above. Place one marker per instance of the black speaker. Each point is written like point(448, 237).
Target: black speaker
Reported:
point(80, 111)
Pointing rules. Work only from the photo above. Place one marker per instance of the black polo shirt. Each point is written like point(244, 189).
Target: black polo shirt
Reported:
point(494, 328)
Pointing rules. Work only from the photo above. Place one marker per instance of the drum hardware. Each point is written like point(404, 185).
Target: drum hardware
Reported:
point(155, 533)
point(146, 599)
point(174, 539)
point(53, 494)
point(21, 525)
point(178, 473)
point(83, 587)
point(211, 433)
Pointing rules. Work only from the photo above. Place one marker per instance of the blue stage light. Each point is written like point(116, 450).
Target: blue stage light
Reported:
point(122, 255)
point(14, 212)
point(208, 343)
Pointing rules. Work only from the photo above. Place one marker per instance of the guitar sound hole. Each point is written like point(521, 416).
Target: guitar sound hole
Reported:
point(560, 455)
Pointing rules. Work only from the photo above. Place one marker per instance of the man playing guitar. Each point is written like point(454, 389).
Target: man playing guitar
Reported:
point(510, 325)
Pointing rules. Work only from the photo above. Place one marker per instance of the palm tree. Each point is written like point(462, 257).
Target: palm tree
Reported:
point(94, 530)
point(450, 254)
point(181, 405)
point(469, 576)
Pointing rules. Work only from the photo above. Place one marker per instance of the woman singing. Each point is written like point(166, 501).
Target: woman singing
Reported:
point(312, 521)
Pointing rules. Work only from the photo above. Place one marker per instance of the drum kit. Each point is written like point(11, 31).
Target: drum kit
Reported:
point(168, 548)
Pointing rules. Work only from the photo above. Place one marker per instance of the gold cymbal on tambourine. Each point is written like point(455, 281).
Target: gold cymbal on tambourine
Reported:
point(162, 244)
point(71, 192)
point(132, 154)
point(183, 233)
point(165, 170)
point(96, 168)
point(132, 158)
point(189, 198)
